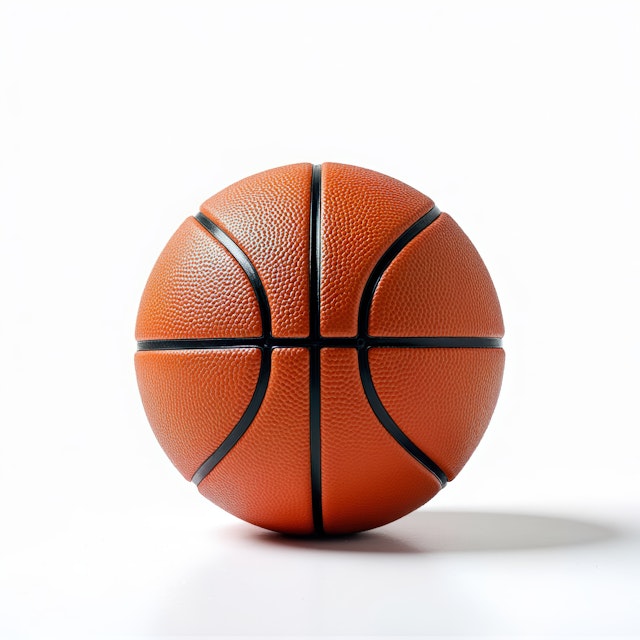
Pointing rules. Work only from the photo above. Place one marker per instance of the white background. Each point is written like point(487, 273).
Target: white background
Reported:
point(520, 119)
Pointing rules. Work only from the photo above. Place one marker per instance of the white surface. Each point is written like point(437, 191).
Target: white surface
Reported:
point(520, 119)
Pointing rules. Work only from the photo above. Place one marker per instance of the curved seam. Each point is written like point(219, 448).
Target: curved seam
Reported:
point(262, 383)
point(366, 300)
point(247, 266)
point(389, 423)
point(385, 260)
point(243, 424)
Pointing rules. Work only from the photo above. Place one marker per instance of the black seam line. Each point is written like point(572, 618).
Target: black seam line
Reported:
point(363, 354)
point(265, 354)
point(389, 424)
point(314, 342)
point(387, 257)
point(241, 258)
point(444, 342)
point(242, 425)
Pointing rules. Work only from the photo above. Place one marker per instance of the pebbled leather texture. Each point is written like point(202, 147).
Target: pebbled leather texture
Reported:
point(197, 290)
point(441, 398)
point(359, 476)
point(437, 286)
point(194, 398)
point(265, 478)
point(268, 215)
point(367, 479)
point(363, 212)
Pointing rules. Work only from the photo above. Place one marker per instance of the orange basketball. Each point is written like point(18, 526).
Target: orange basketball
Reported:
point(319, 349)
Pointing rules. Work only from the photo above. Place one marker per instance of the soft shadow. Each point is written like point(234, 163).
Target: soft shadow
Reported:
point(368, 542)
point(453, 532)
point(389, 579)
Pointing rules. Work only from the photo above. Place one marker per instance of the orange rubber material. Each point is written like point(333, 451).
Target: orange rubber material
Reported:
point(342, 438)
point(194, 398)
point(363, 212)
point(441, 398)
point(367, 479)
point(265, 478)
point(268, 215)
point(442, 286)
point(197, 290)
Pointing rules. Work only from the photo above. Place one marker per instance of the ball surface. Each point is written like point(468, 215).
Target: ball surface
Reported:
point(319, 349)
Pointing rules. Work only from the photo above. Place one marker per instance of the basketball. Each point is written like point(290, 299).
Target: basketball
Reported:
point(319, 349)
